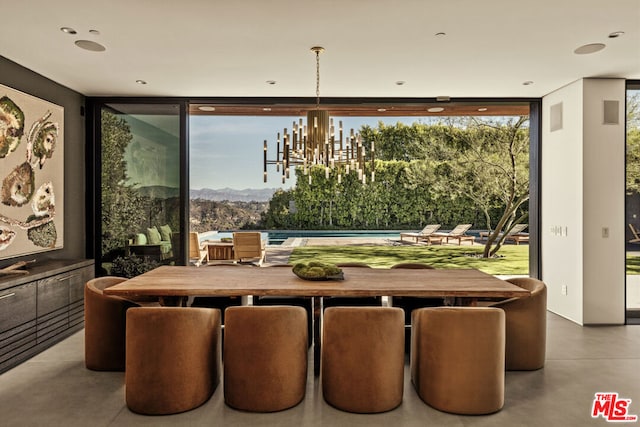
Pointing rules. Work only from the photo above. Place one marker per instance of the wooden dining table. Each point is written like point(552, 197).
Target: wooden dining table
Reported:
point(174, 284)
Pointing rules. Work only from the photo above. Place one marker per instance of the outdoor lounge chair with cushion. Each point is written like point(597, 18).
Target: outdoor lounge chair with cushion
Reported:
point(427, 231)
point(458, 233)
point(516, 230)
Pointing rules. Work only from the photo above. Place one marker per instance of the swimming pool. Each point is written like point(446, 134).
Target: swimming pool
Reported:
point(277, 237)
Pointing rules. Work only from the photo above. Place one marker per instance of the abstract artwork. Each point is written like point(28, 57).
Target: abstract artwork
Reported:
point(32, 174)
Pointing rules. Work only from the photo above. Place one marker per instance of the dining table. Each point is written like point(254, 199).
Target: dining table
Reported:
point(173, 285)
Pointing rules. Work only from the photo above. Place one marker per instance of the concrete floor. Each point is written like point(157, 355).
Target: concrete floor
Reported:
point(55, 389)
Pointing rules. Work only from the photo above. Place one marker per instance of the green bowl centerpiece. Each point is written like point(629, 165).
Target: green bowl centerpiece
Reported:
point(317, 271)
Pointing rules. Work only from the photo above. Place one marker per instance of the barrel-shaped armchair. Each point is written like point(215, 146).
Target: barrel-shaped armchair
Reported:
point(363, 358)
point(173, 358)
point(457, 358)
point(104, 326)
point(526, 326)
point(265, 357)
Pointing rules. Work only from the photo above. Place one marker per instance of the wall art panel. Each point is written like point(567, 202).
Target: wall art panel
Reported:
point(31, 174)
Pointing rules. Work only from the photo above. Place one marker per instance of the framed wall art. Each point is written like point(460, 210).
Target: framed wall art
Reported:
point(31, 173)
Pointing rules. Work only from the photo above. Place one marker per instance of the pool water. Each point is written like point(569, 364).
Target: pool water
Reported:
point(277, 237)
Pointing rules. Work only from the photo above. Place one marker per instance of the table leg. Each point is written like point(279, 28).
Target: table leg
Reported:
point(317, 315)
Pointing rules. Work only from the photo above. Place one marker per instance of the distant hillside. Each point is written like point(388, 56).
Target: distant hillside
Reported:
point(160, 192)
point(246, 195)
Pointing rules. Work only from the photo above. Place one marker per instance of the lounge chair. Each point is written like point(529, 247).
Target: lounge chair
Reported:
point(248, 245)
point(516, 233)
point(457, 233)
point(636, 236)
point(427, 231)
point(198, 253)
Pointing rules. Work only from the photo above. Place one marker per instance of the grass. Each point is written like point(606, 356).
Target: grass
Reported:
point(633, 264)
point(513, 259)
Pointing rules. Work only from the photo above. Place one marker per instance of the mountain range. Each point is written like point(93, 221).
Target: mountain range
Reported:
point(218, 195)
point(246, 195)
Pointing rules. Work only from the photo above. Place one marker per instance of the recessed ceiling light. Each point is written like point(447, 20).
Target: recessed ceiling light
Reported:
point(400, 82)
point(91, 46)
point(482, 109)
point(616, 34)
point(266, 109)
point(206, 108)
point(271, 82)
point(68, 30)
point(382, 110)
point(94, 32)
point(435, 109)
point(141, 82)
point(527, 83)
point(589, 48)
point(440, 34)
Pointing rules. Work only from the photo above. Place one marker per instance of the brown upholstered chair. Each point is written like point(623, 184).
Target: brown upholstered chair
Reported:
point(173, 358)
point(265, 357)
point(104, 326)
point(526, 326)
point(362, 365)
point(457, 358)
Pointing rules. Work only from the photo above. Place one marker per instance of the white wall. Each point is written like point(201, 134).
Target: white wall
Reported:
point(604, 202)
point(582, 193)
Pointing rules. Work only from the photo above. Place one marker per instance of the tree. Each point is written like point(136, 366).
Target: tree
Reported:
point(488, 163)
point(123, 207)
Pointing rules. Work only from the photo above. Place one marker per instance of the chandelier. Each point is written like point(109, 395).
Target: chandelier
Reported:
point(316, 144)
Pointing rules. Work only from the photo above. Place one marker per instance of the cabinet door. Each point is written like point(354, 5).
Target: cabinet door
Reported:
point(77, 279)
point(53, 293)
point(17, 306)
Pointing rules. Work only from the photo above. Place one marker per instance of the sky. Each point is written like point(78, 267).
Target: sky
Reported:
point(226, 151)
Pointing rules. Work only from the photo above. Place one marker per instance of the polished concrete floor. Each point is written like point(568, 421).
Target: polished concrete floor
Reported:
point(55, 389)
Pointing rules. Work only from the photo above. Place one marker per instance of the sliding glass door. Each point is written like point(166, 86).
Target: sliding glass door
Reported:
point(140, 187)
point(633, 203)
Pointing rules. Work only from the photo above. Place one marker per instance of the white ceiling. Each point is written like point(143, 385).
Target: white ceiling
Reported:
point(231, 48)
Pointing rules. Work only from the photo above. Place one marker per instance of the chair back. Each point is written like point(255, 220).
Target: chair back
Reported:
point(526, 326)
point(247, 244)
point(194, 245)
point(430, 228)
point(413, 266)
point(460, 229)
point(518, 228)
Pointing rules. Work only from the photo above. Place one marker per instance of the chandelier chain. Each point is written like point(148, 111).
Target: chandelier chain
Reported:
point(317, 79)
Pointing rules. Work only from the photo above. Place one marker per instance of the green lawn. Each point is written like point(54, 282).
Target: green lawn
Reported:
point(513, 259)
point(633, 264)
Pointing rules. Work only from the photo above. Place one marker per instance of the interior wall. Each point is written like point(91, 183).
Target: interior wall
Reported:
point(25, 80)
point(561, 206)
point(604, 204)
point(583, 204)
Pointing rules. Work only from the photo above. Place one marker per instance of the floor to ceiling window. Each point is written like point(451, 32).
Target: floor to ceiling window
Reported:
point(633, 202)
point(228, 190)
point(140, 187)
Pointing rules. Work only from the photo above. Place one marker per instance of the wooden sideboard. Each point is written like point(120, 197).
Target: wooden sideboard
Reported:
point(41, 308)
